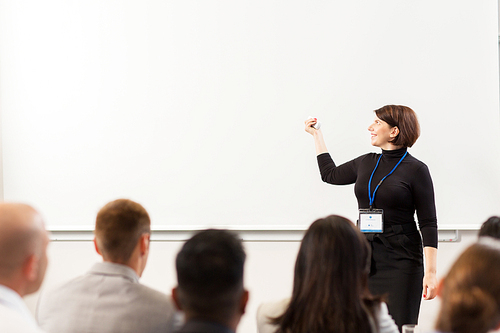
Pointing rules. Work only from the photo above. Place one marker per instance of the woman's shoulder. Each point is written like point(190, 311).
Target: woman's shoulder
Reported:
point(385, 322)
point(269, 310)
point(413, 159)
point(416, 164)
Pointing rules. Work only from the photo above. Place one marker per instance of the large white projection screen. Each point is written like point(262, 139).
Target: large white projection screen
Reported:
point(195, 108)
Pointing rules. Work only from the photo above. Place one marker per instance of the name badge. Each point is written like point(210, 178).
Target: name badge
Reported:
point(371, 220)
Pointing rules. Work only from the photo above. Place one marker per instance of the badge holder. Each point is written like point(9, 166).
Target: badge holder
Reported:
point(371, 221)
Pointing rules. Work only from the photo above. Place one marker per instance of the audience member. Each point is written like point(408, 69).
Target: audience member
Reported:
point(23, 261)
point(491, 228)
point(109, 298)
point(210, 282)
point(470, 292)
point(330, 287)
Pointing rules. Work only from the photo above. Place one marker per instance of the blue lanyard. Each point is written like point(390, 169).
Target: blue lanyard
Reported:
point(372, 197)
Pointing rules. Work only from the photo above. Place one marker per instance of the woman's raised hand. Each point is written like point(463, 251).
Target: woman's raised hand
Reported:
point(319, 142)
point(309, 125)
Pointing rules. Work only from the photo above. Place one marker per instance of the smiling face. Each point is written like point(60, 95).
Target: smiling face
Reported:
point(382, 134)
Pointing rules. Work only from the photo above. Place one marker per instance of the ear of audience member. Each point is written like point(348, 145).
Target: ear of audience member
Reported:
point(470, 292)
point(330, 286)
point(23, 262)
point(490, 228)
point(210, 282)
point(109, 298)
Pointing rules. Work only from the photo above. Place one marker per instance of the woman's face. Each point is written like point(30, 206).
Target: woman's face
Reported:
point(381, 133)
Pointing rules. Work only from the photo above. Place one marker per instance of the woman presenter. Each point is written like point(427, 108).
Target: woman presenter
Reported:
point(389, 188)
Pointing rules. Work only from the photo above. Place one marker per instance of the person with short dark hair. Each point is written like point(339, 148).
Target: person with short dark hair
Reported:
point(330, 286)
point(109, 298)
point(210, 287)
point(23, 262)
point(470, 292)
point(490, 228)
point(390, 187)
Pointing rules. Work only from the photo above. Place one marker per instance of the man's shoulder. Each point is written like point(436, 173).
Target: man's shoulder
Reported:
point(12, 321)
point(101, 290)
point(79, 304)
point(155, 296)
point(90, 285)
point(65, 289)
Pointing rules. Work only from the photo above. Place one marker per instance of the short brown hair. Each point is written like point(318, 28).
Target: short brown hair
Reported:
point(470, 296)
point(406, 121)
point(119, 225)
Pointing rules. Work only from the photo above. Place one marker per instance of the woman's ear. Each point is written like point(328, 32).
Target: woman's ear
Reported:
point(394, 132)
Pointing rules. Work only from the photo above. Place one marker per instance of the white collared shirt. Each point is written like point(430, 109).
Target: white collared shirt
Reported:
point(15, 317)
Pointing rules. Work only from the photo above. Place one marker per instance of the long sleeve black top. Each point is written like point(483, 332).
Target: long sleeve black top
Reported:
point(408, 189)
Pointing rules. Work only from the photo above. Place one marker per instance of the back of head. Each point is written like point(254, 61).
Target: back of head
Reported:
point(470, 291)
point(22, 238)
point(490, 228)
point(210, 275)
point(330, 284)
point(119, 225)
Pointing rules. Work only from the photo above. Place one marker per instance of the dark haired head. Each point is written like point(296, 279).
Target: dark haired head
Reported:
point(210, 275)
point(491, 228)
point(119, 225)
point(330, 291)
point(405, 119)
point(470, 292)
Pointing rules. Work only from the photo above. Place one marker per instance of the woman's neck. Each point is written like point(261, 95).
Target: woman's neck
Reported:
point(389, 146)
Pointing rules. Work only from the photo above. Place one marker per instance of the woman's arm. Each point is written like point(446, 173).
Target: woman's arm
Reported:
point(330, 172)
point(319, 142)
point(423, 194)
point(430, 280)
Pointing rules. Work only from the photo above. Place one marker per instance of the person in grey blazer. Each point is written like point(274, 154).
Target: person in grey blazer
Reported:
point(109, 298)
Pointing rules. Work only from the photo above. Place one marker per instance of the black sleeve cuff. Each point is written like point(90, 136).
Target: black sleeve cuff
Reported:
point(430, 236)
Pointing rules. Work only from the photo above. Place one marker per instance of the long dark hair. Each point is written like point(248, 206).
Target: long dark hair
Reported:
point(491, 227)
point(330, 287)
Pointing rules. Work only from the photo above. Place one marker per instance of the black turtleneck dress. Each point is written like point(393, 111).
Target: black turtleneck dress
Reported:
point(397, 256)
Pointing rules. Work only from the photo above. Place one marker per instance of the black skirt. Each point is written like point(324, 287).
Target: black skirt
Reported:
point(397, 271)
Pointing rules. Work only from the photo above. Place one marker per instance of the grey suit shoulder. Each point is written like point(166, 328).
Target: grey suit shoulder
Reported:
point(108, 299)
